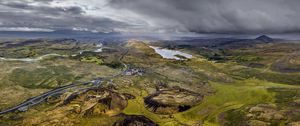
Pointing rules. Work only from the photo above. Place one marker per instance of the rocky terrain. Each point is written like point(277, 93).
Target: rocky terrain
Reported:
point(172, 100)
point(230, 82)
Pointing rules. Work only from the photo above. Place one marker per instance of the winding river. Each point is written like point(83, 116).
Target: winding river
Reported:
point(31, 59)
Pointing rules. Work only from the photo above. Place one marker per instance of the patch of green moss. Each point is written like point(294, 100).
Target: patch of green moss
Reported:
point(234, 117)
point(50, 77)
point(284, 78)
point(227, 97)
point(91, 59)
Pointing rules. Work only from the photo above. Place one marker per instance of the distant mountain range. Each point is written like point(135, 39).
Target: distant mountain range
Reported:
point(219, 43)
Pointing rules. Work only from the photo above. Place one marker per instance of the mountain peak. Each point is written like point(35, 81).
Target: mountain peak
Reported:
point(264, 38)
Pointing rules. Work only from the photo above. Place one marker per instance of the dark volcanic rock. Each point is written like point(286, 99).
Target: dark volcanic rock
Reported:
point(287, 65)
point(256, 65)
point(134, 120)
point(128, 96)
point(172, 100)
point(264, 38)
point(98, 101)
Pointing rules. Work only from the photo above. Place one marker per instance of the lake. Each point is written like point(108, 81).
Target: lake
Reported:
point(170, 54)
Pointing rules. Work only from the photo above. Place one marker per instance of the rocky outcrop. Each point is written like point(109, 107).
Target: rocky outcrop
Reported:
point(172, 100)
point(134, 120)
point(97, 102)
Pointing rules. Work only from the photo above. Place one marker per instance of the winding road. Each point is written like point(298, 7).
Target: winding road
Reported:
point(43, 97)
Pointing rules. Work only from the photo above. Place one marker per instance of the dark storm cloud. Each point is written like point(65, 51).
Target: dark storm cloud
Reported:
point(44, 9)
point(203, 16)
point(219, 16)
point(68, 22)
point(17, 14)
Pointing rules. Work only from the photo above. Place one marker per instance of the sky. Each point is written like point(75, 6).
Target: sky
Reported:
point(152, 16)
